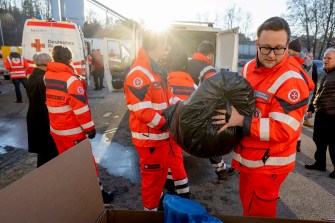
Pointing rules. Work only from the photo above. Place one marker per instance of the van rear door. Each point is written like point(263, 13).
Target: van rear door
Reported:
point(227, 49)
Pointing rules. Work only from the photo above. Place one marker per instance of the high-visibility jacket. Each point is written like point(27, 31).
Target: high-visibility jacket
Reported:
point(181, 86)
point(200, 68)
point(67, 103)
point(146, 98)
point(17, 66)
point(281, 100)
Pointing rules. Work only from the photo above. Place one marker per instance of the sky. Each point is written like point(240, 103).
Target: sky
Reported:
point(159, 11)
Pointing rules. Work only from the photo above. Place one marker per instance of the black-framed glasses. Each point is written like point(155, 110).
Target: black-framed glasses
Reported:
point(267, 50)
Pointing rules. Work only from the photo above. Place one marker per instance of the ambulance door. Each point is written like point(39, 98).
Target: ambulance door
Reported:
point(227, 49)
point(116, 63)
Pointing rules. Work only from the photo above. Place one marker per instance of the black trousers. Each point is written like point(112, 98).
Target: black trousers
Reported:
point(324, 137)
point(98, 75)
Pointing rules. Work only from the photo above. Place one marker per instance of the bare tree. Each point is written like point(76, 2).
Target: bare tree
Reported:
point(246, 23)
point(328, 12)
point(232, 16)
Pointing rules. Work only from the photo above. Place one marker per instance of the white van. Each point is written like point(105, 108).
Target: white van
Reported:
point(41, 36)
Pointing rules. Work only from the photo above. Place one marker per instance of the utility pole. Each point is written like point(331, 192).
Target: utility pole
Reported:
point(3, 42)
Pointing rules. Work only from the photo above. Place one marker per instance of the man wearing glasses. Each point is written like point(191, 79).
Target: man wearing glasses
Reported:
point(267, 153)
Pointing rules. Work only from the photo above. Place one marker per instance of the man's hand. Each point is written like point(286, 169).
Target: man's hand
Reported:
point(235, 119)
point(309, 114)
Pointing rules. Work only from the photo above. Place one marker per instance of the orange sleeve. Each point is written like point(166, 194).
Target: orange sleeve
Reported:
point(139, 100)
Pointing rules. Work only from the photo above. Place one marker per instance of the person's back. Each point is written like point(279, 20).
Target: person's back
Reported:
point(17, 66)
point(70, 117)
point(200, 67)
point(180, 82)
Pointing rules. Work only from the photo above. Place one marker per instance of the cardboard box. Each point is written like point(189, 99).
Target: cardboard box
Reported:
point(66, 189)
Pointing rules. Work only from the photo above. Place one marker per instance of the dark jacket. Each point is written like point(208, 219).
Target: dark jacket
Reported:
point(39, 138)
point(323, 100)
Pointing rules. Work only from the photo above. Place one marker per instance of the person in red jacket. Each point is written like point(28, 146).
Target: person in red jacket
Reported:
point(69, 112)
point(200, 67)
point(181, 86)
point(146, 97)
point(17, 66)
point(267, 152)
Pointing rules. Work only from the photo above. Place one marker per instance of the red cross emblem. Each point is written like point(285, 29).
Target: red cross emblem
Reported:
point(294, 95)
point(38, 45)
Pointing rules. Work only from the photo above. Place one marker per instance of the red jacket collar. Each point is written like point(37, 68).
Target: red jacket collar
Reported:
point(200, 56)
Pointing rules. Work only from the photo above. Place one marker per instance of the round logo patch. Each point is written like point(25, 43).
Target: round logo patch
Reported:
point(257, 113)
point(16, 60)
point(80, 90)
point(293, 95)
point(138, 82)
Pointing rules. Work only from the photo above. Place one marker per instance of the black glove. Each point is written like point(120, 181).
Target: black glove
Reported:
point(91, 134)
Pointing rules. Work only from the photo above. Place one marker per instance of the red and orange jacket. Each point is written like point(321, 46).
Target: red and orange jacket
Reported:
point(200, 68)
point(17, 66)
point(67, 104)
point(271, 134)
point(146, 98)
point(181, 86)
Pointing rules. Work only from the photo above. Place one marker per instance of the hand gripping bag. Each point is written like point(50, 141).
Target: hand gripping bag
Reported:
point(190, 121)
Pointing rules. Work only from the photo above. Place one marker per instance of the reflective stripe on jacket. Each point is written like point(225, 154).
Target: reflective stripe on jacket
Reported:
point(281, 100)
point(17, 67)
point(181, 86)
point(200, 68)
point(146, 98)
point(66, 101)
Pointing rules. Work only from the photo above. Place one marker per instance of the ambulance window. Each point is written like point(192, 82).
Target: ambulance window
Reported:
point(125, 52)
point(114, 49)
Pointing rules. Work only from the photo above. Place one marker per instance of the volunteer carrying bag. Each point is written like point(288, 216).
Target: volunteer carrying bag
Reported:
point(190, 121)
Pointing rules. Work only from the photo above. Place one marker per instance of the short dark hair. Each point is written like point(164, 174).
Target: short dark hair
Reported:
point(206, 47)
point(275, 24)
point(176, 60)
point(62, 54)
point(151, 39)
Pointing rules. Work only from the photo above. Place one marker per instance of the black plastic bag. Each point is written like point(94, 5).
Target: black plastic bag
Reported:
point(190, 121)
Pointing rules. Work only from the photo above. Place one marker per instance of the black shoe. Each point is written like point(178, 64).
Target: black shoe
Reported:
point(315, 167)
point(231, 171)
point(18, 101)
point(107, 196)
point(332, 175)
point(103, 87)
point(225, 173)
point(96, 89)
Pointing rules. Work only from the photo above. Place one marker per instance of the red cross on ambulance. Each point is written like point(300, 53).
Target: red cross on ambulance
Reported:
point(38, 45)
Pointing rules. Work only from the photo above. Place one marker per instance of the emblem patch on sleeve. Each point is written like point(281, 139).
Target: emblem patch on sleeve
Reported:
point(257, 113)
point(138, 82)
point(293, 95)
point(80, 90)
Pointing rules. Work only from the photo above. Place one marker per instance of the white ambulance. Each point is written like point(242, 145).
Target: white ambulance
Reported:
point(41, 36)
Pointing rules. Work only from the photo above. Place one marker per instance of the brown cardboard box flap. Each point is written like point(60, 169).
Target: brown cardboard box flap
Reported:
point(65, 189)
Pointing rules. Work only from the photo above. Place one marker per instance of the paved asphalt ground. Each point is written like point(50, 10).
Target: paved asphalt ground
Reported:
point(305, 194)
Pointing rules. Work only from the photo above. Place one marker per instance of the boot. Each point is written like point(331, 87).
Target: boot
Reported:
point(107, 196)
point(298, 145)
point(169, 187)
